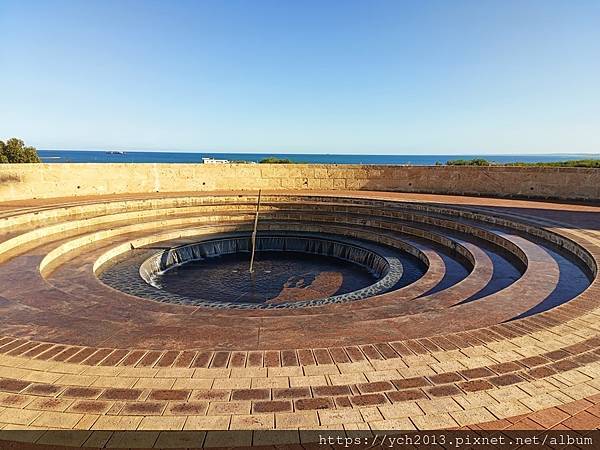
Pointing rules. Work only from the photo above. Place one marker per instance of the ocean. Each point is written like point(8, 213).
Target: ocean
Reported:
point(94, 156)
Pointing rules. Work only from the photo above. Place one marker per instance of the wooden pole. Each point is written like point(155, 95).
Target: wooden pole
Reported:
point(254, 232)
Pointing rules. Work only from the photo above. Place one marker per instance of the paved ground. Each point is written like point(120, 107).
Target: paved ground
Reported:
point(77, 354)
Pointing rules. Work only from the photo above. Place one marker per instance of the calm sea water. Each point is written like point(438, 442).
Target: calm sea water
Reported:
point(88, 156)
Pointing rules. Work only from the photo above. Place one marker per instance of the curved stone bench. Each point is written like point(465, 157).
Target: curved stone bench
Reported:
point(167, 212)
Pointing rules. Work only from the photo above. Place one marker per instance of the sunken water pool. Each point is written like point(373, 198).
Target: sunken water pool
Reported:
point(278, 276)
point(290, 270)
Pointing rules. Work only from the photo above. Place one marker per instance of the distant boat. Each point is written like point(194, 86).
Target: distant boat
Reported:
point(214, 161)
point(115, 152)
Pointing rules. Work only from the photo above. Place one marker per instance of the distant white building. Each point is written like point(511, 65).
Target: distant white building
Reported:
point(214, 161)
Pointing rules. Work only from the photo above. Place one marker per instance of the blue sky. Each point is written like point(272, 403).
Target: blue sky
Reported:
point(373, 77)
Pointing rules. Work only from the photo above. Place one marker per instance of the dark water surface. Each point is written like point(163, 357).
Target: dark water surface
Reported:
point(278, 277)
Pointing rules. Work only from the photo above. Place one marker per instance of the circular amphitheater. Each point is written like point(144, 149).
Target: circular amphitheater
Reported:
point(473, 312)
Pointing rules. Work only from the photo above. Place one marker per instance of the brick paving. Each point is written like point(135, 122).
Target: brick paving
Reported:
point(76, 354)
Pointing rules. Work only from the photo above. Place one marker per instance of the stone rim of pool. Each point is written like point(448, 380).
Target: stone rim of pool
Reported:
point(378, 260)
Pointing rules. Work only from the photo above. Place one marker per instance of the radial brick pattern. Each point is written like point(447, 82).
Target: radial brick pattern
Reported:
point(490, 337)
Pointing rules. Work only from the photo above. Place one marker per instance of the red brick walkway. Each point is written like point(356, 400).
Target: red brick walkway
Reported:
point(76, 354)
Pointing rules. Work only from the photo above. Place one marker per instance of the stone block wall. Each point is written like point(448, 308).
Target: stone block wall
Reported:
point(25, 181)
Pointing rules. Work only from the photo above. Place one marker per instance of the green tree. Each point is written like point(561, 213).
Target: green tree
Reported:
point(14, 151)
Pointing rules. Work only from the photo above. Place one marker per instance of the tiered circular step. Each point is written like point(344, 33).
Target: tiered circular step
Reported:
point(500, 322)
